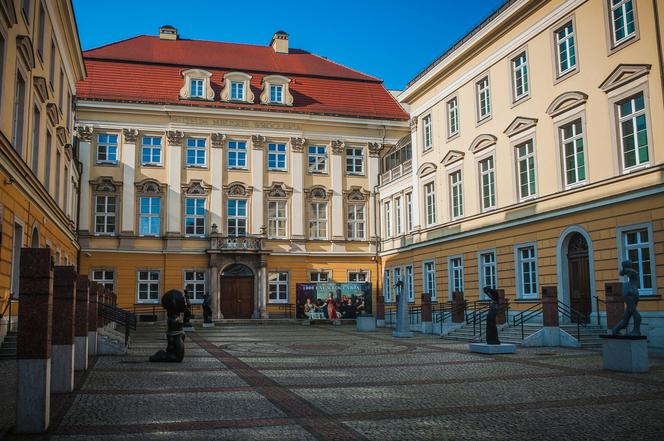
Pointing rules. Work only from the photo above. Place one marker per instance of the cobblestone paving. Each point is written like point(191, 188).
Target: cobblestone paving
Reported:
point(290, 382)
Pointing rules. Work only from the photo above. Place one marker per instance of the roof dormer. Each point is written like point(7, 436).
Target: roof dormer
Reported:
point(276, 91)
point(197, 85)
point(237, 87)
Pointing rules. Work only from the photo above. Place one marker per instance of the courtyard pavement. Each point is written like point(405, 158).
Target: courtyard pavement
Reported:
point(294, 382)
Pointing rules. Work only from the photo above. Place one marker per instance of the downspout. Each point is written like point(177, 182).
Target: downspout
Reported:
point(658, 36)
point(79, 168)
point(377, 222)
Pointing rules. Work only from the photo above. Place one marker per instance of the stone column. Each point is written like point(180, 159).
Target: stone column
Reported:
point(64, 313)
point(501, 316)
point(458, 307)
point(416, 198)
point(257, 173)
point(615, 303)
point(427, 322)
point(85, 156)
point(128, 214)
point(217, 166)
point(33, 385)
point(92, 319)
point(550, 306)
point(337, 217)
point(81, 324)
point(262, 291)
point(174, 164)
point(373, 171)
point(298, 210)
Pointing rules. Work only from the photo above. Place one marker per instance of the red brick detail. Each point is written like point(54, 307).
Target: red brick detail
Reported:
point(36, 312)
point(92, 306)
point(501, 316)
point(458, 302)
point(426, 307)
point(82, 298)
point(64, 304)
point(550, 305)
point(615, 303)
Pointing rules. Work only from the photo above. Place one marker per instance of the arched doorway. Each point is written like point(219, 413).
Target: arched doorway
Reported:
point(236, 292)
point(578, 275)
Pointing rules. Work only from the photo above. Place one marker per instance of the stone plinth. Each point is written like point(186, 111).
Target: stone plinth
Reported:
point(81, 324)
point(426, 325)
point(483, 348)
point(550, 306)
point(458, 303)
point(365, 323)
point(64, 311)
point(380, 312)
point(625, 354)
point(92, 318)
point(615, 303)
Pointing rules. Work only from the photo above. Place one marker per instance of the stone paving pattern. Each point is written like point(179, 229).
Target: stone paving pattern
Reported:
point(289, 382)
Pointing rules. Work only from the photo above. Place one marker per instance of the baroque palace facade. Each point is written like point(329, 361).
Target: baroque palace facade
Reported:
point(40, 64)
point(232, 169)
point(535, 159)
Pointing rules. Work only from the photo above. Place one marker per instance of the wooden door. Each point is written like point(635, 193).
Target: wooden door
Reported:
point(579, 276)
point(236, 297)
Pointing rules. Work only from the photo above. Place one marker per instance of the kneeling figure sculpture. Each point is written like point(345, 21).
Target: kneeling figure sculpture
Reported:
point(174, 304)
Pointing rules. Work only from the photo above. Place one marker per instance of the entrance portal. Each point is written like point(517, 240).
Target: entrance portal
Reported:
point(579, 276)
point(236, 292)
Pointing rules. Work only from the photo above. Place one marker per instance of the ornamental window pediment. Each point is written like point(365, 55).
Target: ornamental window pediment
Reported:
point(452, 157)
point(356, 194)
point(150, 186)
point(623, 74)
point(426, 169)
point(318, 193)
point(237, 189)
point(482, 142)
point(520, 124)
point(196, 187)
point(196, 85)
point(565, 102)
point(237, 87)
point(105, 184)
point(276, 90)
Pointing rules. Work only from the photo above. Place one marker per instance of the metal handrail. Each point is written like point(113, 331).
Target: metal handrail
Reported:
point(526, 315)
point(447, 311)
point(120, 316)
point(573, 315)
point(597, 302)
point(8, 307)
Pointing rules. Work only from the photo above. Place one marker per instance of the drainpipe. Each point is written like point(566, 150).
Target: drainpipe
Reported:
point(79, 168)
point(658, 36)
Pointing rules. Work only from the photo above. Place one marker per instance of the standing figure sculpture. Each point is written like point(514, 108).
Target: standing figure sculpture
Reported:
point(207, 309)
point(173, 302)
point(631, 295)
point(491, 328)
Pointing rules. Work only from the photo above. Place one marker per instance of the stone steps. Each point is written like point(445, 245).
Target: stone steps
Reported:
point(8, 348)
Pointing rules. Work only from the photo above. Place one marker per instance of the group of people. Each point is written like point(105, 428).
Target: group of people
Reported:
point(341, 307)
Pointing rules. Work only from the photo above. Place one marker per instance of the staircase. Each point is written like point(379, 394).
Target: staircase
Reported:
point(590, 335)
point(8, 348)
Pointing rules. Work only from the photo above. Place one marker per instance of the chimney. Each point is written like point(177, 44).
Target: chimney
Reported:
point(280, 42)
point(168, 32)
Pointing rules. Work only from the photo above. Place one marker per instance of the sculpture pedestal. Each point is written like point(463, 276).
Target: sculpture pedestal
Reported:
point(483, 348)
point(365, 323)
point(625, 353)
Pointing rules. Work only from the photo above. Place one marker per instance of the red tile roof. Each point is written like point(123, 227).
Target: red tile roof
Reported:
point(149, 70)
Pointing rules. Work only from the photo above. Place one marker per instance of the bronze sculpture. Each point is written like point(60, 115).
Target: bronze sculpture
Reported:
point(631, 295)
point(207, 309)
point(491, 328)
point(174, 303)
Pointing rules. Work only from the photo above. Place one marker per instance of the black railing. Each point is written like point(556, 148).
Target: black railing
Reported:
point(566, 311)
point(391, 312)
point(415, 314)
point(288, 309)
point(525, 315)
point(597, 302)
point(117, 315)
point(574, 316)
point(445, 311)
point(7, 310)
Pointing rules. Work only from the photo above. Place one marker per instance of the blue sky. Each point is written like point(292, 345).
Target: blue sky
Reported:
point(390, 39)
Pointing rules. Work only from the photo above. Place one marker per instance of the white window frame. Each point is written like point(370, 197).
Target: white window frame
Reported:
point(429, 270)
point(427, 132)
point(235, 87)
point(195, 283)
point(199, 148)
point(481, 273)
point(149, 215)
point(455, 181)
point(355, 161)
point(631, 117)
point(490, 173)
point(517, 145)
point(356, 227)
point(409, 211)
point(277, 152)
point(106, 215)
point(621, 233)
point(429, 203)
point(281, 283)
point(398, 216)
point(277, 93)
point(239, 149)
point(277, 222)
point(452, 117)
point(319, 157)
point(196, 88)
point(357, 275)
point(409, 283)
point(110, 148)
point(519, 69)
point(483, 98)
point(101, 276)
point(574, 140)
point(151, 285)
point(387, 286)
point(387, 210)
point(521, 295)
point(622, 5)
point(316, 222)
point(318, 273)
point(455, 271)
point(563, 43)
point(195, 216)
point(237, 219)
point(154, 147)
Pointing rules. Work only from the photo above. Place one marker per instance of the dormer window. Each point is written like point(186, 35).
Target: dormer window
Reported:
point(276, 90)
point(276, 93)
point(237, 91)
point(196, 85)
point(237, 87)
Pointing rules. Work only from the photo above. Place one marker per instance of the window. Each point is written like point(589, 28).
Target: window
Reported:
point(196, 152)
point(151, 150)
point(51, 69)
point(410, 289)
point(105, 217)
point(633, 131)
point(2, 62)
point(69, 104)
point(276, 219)
point(388, 219)
point(526, 271)
point(318, 220)
point(354, 161)
point(148, 287)
point(319, 276)
point(276, 156)
point(525, 154)
point(358, 276)
point(276, 93)
point(565, 48)
point(237, 90)
point(429, 276)
point(428, 134)
point(196, 88)
point(409, 212)
point(195, 284)
point(430, 208)
point(47, 160)
point(19, 114)
point(41, 30)
point(397, 215)
point(17, 244)
point(104, 277)
point(386, 286)
point(149, 219)
point(574, 164)
point(58, 164)
point(487, 183)
point(317, 159)
point(483, 98)
point(236, 221)
point(622, 20)
point(637, 248)
point(107, 149)
point(61, 91)
point(520, 76)
point(455, 274)
point(278, 287)
point(194, 216)
point(65, 190)
point(356, 221)
point(487, 269)
point(36, 123)
point(456, 194)
point(237, 154)
point(452, 117)
point(25, 7)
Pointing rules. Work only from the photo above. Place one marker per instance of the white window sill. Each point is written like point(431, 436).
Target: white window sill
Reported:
point(636, 168)
point(151, 164)
point(107, 162)
point(277, 302)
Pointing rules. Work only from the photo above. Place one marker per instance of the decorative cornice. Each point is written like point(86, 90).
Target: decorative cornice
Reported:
point(26, 50)
point(520, 124)
point(565, 102)
point(375, 148)
point(130, 135)
point(624, 74)
point(297, 144)
point(39, 83)
point(8, 12)
point(217, 140)
point(337, 146)
point(258, 142)
point(175, 137)
point(84, 133)
point(53, 113)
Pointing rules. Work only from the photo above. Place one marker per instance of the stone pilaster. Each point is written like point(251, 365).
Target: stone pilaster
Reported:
point(337, 217)
point(257, 179)
point(373, 171)
point(64, 311)
point(128, 177)
point(298, 211)
point(216, 173)
point(174, 164)
point(86, 157)
point(81, 324)
point(92, 319)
